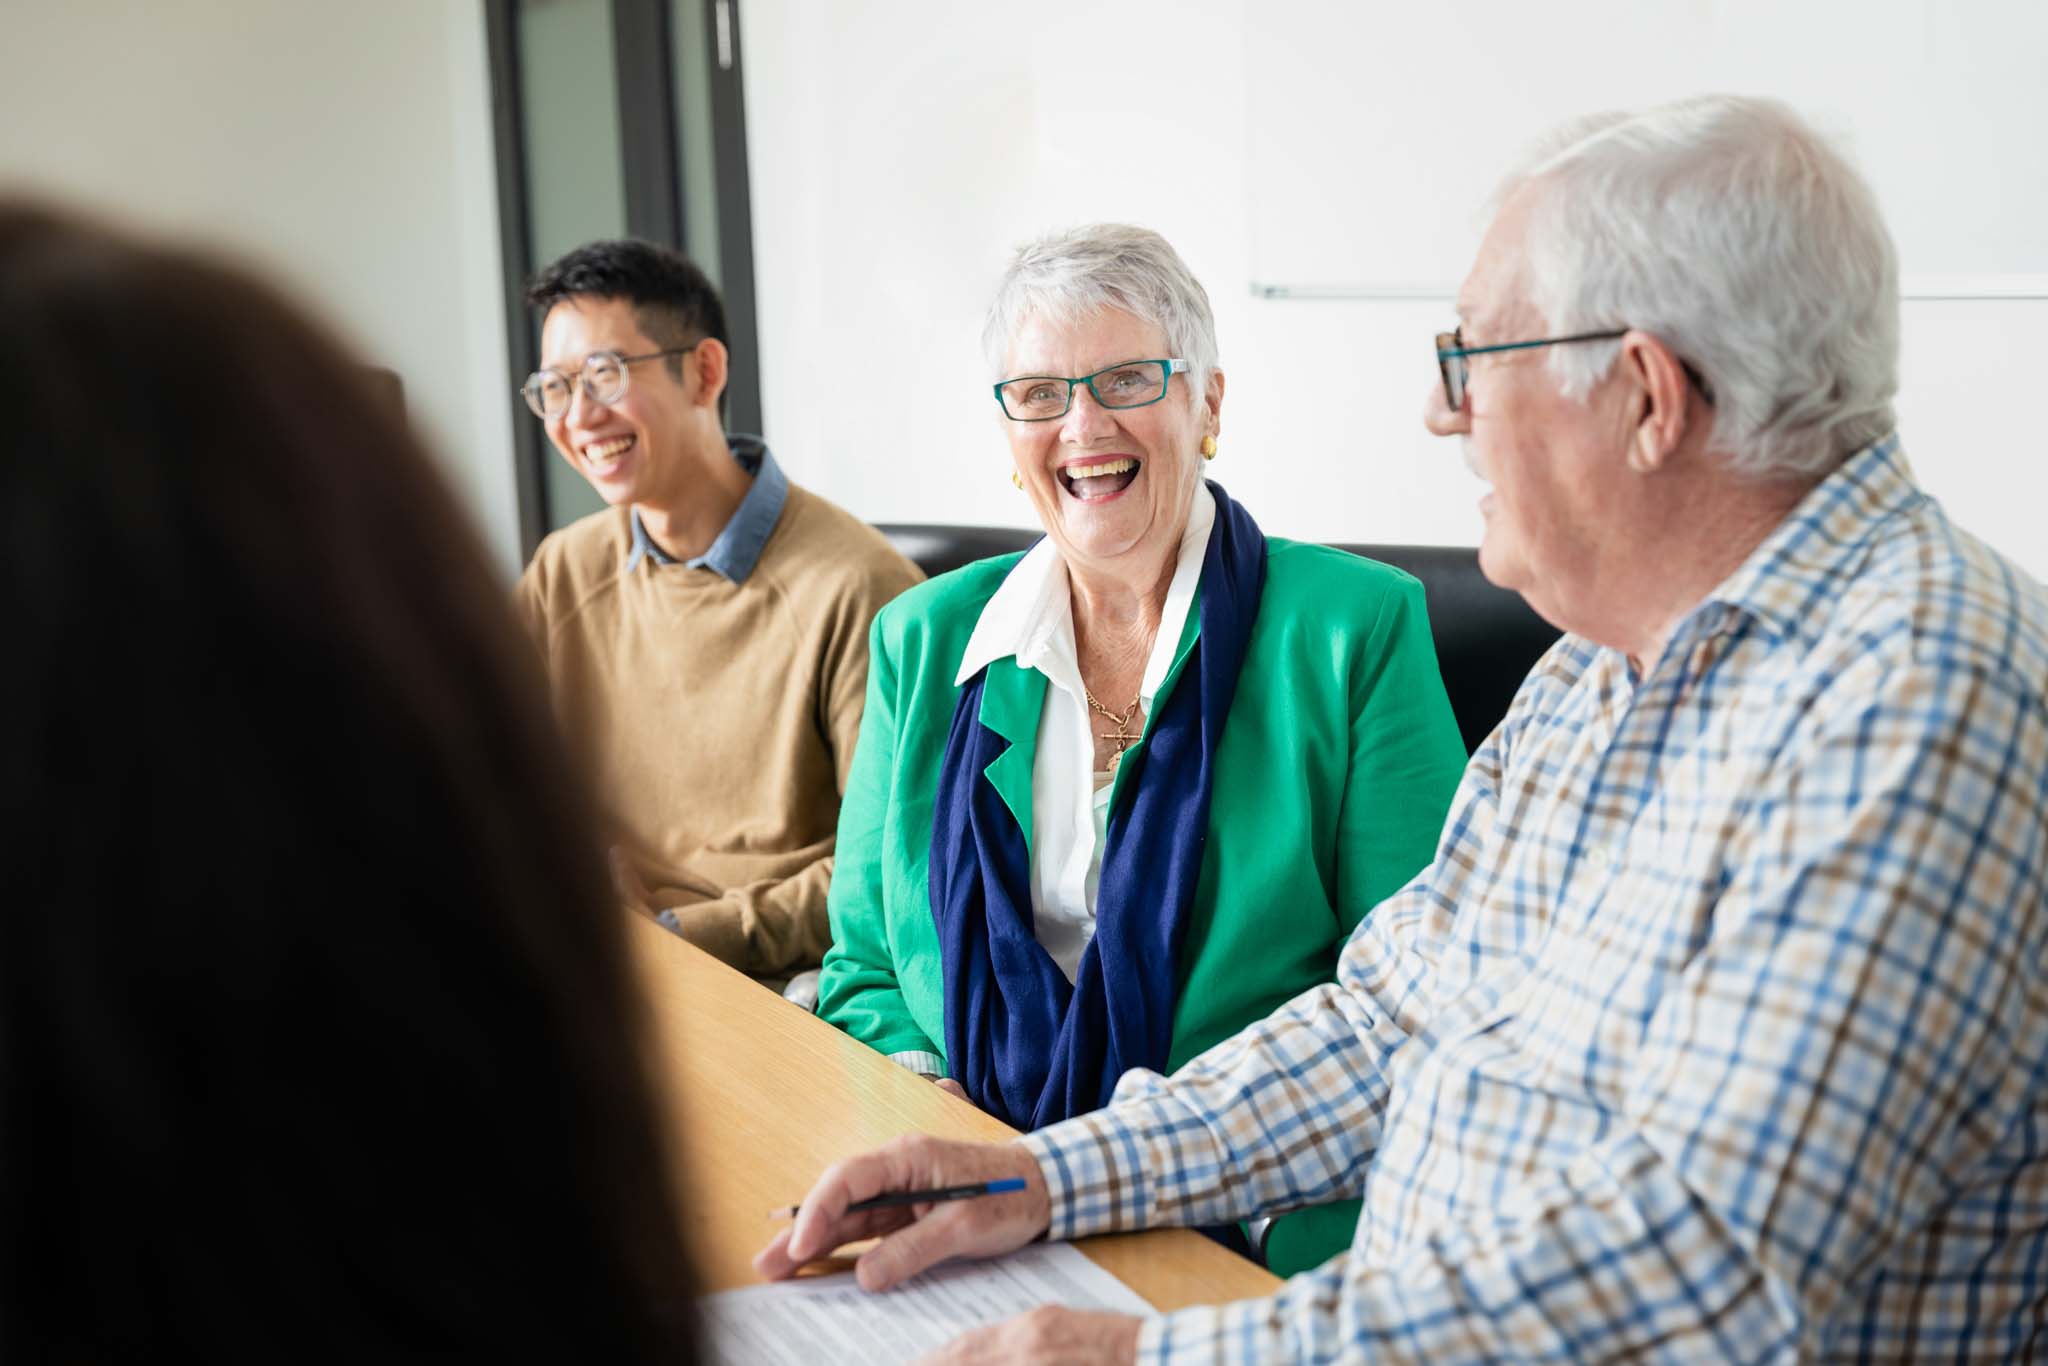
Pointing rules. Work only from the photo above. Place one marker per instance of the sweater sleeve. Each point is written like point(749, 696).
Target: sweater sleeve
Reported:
point(767, 928)
point(859, 992)
point(530, 601)
point(781, 925)
point(843, 661)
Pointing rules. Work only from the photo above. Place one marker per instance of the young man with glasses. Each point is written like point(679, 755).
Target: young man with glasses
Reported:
point(706, 634)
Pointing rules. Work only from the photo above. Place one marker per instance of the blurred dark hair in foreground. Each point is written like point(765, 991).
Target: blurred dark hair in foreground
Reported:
point(318, 1033)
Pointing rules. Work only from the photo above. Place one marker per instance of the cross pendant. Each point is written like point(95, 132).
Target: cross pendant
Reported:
point(1123, 740)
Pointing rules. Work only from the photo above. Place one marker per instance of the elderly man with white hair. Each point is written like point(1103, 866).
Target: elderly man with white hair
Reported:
point(1718, 1027)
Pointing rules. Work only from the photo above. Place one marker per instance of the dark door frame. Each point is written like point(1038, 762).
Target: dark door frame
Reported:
point(735, 210)
point(650, 149)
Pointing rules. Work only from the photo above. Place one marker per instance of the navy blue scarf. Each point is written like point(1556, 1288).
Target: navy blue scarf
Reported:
point(1029, 1047)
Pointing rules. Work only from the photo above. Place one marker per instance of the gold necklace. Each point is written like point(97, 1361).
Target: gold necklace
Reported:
point(1123, 737)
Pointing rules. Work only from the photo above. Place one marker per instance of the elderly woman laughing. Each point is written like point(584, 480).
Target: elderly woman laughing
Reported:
point(1123, 794)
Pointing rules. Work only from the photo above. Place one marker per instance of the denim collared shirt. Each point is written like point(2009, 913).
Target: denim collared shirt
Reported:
point(738, 546)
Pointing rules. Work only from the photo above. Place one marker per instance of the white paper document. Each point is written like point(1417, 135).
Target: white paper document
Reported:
point(821, 1319)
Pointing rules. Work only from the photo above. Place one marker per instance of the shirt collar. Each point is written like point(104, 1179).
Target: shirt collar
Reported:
point(1031, 615)
point(737, 547)
point(1804, 560)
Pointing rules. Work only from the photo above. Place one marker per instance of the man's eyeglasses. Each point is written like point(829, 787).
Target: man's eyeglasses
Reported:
point(603, 377)
point(1129, 384)
point(1451, 353)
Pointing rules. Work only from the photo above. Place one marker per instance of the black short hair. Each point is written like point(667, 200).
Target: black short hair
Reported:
point(319, 1034)
point(674, 301)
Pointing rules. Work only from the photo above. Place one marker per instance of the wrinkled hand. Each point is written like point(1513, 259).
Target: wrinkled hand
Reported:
point(1046, 1334)
point(913, 1236)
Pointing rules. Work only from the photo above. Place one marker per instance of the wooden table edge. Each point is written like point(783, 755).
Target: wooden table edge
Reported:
point(755, 1036)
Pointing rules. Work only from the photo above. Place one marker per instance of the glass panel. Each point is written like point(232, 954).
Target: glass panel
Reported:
point(569, 99)
point(695, 55)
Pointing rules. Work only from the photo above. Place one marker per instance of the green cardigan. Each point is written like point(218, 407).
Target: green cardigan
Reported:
point(1335, 771)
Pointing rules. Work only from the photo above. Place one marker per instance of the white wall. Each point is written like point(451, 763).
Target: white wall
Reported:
point(342, 148)
point(899, 150)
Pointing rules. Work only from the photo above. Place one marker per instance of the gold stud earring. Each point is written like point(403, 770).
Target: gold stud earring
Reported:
point(1208, 448)
point(1017, 479)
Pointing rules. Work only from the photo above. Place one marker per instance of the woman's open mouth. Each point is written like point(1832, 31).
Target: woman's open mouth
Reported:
point(1096, 480)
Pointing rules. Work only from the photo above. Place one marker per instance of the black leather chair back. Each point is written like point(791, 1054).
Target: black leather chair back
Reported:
point(1486, 637)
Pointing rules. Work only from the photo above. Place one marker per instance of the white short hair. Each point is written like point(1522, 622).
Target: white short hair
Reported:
point(1733, 232)
point(1067, 275)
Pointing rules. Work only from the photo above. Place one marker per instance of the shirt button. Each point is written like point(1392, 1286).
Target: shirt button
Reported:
point(1598, 860)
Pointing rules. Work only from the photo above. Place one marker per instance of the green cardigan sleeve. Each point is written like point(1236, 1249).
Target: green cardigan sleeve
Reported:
point(1406, 759)
point(858, 991)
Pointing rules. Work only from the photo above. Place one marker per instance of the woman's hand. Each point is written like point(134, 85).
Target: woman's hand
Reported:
point(951, 1088)
point(1047, 1334)
point(913, 1236)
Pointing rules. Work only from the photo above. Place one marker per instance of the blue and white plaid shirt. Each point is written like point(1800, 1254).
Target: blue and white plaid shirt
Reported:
point(1717, 1029)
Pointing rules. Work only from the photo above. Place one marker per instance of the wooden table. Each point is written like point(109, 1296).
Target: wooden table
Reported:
point(766, 1096)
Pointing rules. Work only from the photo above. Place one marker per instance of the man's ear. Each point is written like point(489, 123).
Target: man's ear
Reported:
point(1664, 398)
point(712, 362)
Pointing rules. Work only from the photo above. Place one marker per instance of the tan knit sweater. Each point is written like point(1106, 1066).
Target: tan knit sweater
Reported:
point(719, 718)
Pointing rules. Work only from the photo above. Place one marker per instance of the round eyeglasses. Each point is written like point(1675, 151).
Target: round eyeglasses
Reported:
point(603, 377)
point(1127, 384)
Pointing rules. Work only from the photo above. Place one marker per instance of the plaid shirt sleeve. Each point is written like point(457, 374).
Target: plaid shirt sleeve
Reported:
point(1242, 1131)
point(1859, 1027)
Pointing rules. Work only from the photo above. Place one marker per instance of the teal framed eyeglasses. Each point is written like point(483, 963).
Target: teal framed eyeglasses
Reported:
point(1127, 384)
point(1451, 352)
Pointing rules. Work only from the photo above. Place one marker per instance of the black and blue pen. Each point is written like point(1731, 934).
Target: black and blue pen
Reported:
point(890, 1199)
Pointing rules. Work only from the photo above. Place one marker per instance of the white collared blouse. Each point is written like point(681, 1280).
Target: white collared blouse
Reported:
point(1031, 617)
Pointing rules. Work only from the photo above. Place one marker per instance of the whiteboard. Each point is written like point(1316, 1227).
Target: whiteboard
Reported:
point(1378, 131)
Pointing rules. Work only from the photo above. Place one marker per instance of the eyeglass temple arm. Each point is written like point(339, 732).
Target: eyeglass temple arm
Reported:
point(1525, 345)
